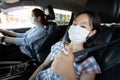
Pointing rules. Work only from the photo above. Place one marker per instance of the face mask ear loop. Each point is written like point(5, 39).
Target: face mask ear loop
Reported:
point(88, 37)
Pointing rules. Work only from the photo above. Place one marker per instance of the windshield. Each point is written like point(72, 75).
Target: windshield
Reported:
point(16, 17)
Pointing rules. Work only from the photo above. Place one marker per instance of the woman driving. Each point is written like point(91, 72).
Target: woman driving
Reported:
point(26, 42)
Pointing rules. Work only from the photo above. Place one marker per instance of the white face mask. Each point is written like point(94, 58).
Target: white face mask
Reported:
point(32, 20)
point(77, 34)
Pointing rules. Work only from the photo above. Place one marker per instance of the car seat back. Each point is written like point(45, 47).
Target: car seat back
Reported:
point(50, 39)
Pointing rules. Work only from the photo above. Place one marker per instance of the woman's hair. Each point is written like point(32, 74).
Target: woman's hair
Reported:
point(39, 13)
point(96, 23)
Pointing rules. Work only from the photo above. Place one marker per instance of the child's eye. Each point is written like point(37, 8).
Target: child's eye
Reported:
point(74, 24)
point(83, 26)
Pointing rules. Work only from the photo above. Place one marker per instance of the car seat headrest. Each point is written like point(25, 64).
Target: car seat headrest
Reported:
point(107, 9)
point(49, 12)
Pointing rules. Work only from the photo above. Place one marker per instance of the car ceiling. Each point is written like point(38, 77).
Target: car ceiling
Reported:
point(72, 5)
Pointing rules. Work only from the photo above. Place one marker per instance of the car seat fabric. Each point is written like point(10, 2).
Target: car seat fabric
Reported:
point(107, 9)
point(110, 57)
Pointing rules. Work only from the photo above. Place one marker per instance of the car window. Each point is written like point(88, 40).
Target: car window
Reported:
point(16, 17)
point(62, 17)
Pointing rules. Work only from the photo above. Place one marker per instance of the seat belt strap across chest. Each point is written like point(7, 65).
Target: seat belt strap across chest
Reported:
point(76, 54)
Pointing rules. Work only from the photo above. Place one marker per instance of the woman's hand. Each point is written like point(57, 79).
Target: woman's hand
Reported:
point(2, 30)
point(63, 65)
point(8, 32)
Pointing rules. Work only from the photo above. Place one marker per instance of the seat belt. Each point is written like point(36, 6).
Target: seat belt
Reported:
point(78, 53)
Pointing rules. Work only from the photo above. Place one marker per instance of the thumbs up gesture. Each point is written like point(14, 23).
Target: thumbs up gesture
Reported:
point(63, 64)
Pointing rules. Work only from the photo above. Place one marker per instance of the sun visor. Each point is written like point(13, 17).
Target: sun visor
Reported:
point(10, 1)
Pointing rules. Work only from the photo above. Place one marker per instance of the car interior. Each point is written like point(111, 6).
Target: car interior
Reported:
point(108, 58)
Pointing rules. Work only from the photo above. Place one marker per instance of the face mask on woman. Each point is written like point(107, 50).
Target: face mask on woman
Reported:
point(77, 34)
point(32, 20)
